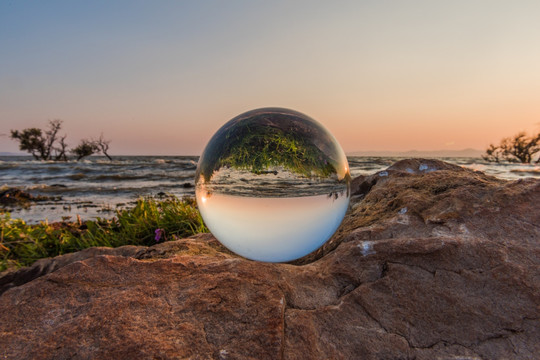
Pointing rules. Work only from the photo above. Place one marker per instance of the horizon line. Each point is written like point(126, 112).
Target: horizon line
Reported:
point(375, 153)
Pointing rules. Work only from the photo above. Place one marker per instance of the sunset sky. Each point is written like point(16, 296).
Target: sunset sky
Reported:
point(160, 77)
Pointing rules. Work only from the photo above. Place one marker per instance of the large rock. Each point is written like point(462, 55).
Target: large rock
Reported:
point(431, 262)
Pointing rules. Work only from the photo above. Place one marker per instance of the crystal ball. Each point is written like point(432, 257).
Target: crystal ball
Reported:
point(272, 185)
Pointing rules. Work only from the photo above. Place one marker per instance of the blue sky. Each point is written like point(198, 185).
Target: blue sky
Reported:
point(160, 77)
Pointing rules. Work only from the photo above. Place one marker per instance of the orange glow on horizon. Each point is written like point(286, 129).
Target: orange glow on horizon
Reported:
point(442, 76)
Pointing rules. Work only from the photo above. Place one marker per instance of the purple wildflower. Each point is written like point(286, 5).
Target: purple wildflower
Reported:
point(159, 234)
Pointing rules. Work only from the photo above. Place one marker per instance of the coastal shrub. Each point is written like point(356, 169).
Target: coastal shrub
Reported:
point(518, 149)
point(49, 145)
point(148, 222)
point(43, 145)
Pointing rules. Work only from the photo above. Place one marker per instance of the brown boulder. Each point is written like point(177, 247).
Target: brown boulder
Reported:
point(427, 264)
point(46, 266)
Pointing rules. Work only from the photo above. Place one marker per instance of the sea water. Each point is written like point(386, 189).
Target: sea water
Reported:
point(96, 187)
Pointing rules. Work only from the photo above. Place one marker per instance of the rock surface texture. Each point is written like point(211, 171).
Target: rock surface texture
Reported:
point(431, 262)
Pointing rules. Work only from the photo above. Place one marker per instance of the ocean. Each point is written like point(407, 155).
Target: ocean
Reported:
point(96, 187)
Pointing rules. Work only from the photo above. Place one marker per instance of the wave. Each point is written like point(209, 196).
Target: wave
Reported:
point(77, 176)
point(126, 178)
point(6, 165)
point(44, 186)
point(531, 171)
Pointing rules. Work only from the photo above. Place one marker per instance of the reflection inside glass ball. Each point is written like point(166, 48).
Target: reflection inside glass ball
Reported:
point(272, 185)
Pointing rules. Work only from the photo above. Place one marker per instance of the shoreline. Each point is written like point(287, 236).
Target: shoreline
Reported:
point(96, 188)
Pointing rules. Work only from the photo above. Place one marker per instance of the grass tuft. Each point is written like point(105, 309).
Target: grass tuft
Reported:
point(150, 221)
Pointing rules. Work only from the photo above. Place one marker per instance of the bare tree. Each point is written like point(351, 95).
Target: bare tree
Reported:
point(60, 151)
point(519, 148)
point(50, 136)
point(103, 146)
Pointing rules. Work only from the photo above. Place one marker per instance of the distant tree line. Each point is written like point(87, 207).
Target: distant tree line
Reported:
point(49, 145)
point(519, 148)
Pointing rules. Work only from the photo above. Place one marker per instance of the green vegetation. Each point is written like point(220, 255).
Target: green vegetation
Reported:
point(519, 148)
point(259, 151)
point(257, 148)
point(147, 223)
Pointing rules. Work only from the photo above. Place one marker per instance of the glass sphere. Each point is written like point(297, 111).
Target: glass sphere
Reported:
point(272, 185)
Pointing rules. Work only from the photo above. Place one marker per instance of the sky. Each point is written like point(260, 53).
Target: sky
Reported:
point(161, 77)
